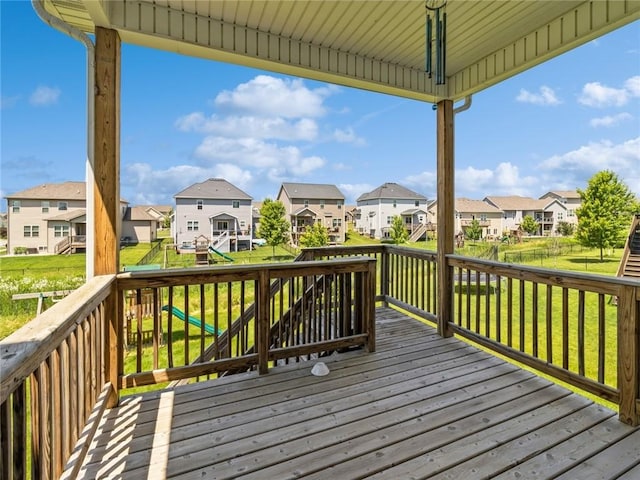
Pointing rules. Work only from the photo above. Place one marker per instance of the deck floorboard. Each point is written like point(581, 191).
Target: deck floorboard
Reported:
point(421, 406)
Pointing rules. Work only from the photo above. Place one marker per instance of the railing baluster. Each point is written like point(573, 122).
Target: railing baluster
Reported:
point(581, 332)
point(534, 319)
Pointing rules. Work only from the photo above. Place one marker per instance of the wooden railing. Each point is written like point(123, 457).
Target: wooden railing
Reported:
point(53, 380)
point(231, 318)
point(561, 323)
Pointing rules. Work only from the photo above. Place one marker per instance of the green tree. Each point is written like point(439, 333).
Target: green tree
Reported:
point(604, 216)
point(474, 230)
point(566, 229)
point(529, 225)
point(315, 236)
point(274, 228)
point(398, 232)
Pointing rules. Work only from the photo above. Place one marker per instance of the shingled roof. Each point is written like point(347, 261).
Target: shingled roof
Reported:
point(516, 202)
point(320, 191)
point(392, 191)
point(53, 191)
point(475, 206)
point(213, 188)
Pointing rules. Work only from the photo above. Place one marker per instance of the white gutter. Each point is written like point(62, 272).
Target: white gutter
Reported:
point(465, 106)
point(55, 22)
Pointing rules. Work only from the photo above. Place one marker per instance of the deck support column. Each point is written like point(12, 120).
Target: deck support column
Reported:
point(629, 354)
point(106, 182)
point(445, 216)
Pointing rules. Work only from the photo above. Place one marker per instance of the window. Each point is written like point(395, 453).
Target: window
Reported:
point(321, 203)
point(389, 220)
point(45, 206)
point(560, 216)
point(31, 231)
point(416, 203)
point(192, 226)
point(15, 206)
point(483, 217)
point(337, 222)
point(339, 204)
point(306, 204)
point(61, 230)
point(395, 204)
point(223, 225)
point(570, 213)
point(62, 205)
point(236, 204)
point(199, 204)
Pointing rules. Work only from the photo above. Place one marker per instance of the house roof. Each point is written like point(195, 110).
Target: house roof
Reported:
point(377, 45)
point(516, 202)
point(53, 191)
point(68, 215)
point(304, 212)
point(163, 209)
point(562, 194)
point(139, 213)
point(317, 191)
point(413, 211)
point(467, 205)
point(213, 188)
point(393, 191)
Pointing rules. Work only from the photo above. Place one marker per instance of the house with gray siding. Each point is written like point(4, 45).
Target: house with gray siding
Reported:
point(52, 218)
point(216, 210)
point(309, 203)
point(376, 209)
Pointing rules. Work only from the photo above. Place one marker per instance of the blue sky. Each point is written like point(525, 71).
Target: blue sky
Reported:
point(185, 120)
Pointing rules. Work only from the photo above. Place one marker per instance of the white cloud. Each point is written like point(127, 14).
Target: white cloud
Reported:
point(505, 179)
point(610, 120)
point(594, 94)
point(546, 96)
point(577, 166)
point(44, 96)
point(279, 161)
point(276, 97)
point(632, 85)
point(304, 129)
point(353, 190)
point(348, 136)
point(425, 181)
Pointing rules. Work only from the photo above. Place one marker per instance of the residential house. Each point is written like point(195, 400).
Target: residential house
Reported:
point(216, 210)
point(42, 217)
point(162, 213)
point(51, 218)
point(139, 224)
point(515, 208)
point(488, 216)
point(308, 203)
point(570, 199)
point(377, 208)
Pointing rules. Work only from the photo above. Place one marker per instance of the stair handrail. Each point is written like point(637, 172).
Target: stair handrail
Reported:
point(633, 231)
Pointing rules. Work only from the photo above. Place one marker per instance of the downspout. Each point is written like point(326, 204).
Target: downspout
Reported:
point(465, 106)
point(55, 22)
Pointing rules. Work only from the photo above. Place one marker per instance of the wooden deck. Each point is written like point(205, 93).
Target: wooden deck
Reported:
point(419, 407)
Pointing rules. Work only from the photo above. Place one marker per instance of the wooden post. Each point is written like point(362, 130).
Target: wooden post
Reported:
point(106, 187)
point(370, 306)
point(106, 166)
point(446, 205)
point(629, 354)
point(262, 319)
point(384, 276)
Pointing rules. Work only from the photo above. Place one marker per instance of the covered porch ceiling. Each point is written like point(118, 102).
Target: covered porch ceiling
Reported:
point(377, 45)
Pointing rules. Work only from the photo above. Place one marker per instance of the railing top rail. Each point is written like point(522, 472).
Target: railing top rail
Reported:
point(182, 276)
point(591, 281)
point(364, 249)
point(26, 348)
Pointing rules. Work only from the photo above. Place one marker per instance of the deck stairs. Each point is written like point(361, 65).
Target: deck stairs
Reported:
point(630, 262)
point(292, 321)
point(418, 233)
point(221, 242)
point(63, 247)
